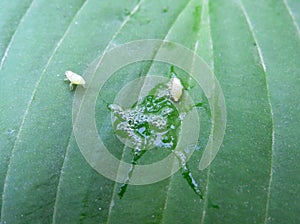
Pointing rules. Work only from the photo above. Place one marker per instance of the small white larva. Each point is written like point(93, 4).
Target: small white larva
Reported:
point(175, 89)
point(75, 79)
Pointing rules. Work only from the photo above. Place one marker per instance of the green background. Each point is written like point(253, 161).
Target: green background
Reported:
point(253, 47)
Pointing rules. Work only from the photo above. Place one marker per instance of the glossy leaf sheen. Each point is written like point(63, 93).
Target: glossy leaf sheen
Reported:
point(253, 48)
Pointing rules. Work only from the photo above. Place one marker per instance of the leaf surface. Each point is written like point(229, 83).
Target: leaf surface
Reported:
point(253, 49)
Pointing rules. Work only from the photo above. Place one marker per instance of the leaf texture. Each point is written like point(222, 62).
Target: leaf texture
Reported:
point(253, 47)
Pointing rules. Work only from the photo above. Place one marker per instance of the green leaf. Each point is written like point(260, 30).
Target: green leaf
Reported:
point(253, 47)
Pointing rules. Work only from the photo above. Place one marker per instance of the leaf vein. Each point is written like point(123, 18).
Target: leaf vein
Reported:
point(292, 16)
point(105, 50)
point(165, 38)
point(206, 7)
point(29, 106)
point(251, 28)
point(12, 38)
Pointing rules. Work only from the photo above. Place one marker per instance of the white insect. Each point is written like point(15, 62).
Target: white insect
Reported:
point(175, 89)
point(74, 79)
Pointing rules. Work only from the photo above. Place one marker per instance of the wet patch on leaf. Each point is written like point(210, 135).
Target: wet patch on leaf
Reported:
point(153, 122)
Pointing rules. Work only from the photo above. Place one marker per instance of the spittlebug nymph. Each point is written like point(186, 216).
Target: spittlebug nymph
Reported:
point(175, 89)
point(74, 79)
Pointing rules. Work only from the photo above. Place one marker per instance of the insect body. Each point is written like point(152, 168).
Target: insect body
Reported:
point(74, 79)
point(175, 89)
